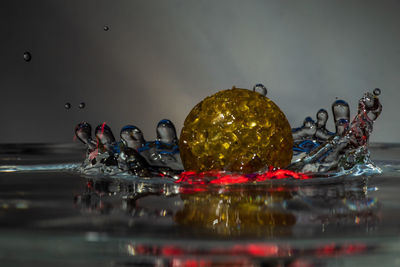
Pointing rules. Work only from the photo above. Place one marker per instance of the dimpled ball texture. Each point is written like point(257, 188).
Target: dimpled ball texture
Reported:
point(235, 130)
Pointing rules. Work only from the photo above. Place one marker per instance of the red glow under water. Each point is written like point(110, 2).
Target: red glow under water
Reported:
point(222, 177)
point(190, 256)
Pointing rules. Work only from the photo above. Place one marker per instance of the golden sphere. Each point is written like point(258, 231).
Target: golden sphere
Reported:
point(235, 130)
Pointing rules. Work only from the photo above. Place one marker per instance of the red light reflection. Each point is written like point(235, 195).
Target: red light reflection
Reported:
point(244, 254)
point(222, 177)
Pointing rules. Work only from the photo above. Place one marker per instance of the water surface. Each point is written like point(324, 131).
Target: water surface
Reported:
point(61, 218)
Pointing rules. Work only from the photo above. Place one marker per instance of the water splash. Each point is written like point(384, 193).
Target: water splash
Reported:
point(319, 155)
point(132, 155)
point(345, 151)
point(318, 152)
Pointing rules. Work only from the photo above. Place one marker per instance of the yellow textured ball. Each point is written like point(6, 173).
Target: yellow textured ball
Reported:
point(235, 130)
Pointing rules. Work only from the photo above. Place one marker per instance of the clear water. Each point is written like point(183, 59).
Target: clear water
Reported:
point(50, 217)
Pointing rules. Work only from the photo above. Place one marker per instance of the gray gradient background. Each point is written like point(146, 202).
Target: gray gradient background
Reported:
point(160, 58)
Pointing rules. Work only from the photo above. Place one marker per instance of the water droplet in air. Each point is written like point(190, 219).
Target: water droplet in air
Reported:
point(82, 105)
point(67, 105)
point(27, 56)
point(106, 28)
point(377, 91)
point(260, 88)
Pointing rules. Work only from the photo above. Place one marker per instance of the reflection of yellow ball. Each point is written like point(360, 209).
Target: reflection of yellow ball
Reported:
point(235, 130)
point(235, 213)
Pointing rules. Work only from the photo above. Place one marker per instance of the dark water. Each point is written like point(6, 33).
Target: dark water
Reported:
point(55, 218)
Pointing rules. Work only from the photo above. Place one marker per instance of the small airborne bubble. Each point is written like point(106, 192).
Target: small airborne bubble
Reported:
point(67, 105)
point(27, 56)
point(377, 91)
point(106, 28)
point(82, 105)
